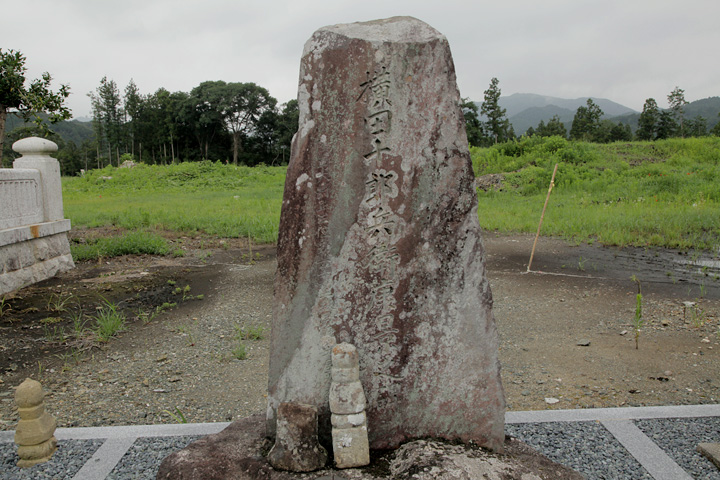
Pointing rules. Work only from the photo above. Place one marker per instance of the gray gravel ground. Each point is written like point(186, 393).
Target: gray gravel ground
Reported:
point(679, 438)
point(584, 446)
point(141, 462)
point(69, 458)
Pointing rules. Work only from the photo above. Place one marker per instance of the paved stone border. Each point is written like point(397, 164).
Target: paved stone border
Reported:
point(618, 421)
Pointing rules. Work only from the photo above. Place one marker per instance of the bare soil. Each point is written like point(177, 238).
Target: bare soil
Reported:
point(566, 331)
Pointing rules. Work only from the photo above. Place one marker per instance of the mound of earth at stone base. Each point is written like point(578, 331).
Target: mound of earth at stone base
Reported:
point(238, 453)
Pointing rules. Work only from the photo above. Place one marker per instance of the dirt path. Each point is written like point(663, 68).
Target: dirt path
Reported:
point(561, 332)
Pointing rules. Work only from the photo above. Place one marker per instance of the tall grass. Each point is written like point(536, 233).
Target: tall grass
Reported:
point(131, 243)
point(663, 193)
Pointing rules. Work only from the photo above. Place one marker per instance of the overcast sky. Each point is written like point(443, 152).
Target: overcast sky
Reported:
point(623, 50)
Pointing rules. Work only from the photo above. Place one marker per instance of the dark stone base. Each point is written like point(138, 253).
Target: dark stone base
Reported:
point(239, 453)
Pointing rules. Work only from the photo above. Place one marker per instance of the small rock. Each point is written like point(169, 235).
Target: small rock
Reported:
point(161, 359)
point(705, 340)
point(525, 393)
point(551, 400)
point(583, 343)
point(174, 379)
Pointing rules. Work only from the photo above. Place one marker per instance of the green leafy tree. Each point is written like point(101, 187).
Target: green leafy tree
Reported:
point(243, 104)
point(677, 102)
point(473, 125)
point(716, 129)
point(586, 123)
point(132, 102)
point(649, 120)
point(667, 126)
point(203, 113)
point(108, 118)
point(497, 124)
point(552, 128)
point(696, 127)
point(28, 101)
point(287, 126)
point(621, 132)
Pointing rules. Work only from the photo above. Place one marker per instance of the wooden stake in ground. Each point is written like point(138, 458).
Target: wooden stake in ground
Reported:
point(552, 184)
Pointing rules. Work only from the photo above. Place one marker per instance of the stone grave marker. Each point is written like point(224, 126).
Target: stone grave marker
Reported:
point(380, 244)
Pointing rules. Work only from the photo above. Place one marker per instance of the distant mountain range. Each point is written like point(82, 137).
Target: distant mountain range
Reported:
point(525, 110)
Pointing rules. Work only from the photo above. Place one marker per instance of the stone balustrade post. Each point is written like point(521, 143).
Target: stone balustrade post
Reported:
point(36, 155)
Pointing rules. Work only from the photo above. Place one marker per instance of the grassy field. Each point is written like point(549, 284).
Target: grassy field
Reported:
point(216, 199)
point(663, 193)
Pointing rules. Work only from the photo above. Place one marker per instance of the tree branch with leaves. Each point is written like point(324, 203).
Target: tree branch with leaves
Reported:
point(28, 102)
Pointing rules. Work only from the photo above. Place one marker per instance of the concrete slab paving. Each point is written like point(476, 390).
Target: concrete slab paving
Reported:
point(711, 452)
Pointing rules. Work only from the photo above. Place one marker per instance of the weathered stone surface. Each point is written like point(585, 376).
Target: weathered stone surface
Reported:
point(35, 431)
point(36, 153)
point(380, 243)
point(430, 460)
point(236, 454)
point(296, 446)
point(233, 454)
point(350, 443)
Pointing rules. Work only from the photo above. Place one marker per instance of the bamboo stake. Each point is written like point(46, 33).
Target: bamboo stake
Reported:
point(552, 184)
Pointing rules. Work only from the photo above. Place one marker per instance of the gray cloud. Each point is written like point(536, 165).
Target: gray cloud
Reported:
point(626, 51)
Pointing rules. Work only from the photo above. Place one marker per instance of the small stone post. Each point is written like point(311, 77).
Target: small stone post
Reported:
point(296, 446)
point(35, 431)
point(347, 405)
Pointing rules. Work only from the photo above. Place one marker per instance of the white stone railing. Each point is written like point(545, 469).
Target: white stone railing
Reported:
point(33, 239)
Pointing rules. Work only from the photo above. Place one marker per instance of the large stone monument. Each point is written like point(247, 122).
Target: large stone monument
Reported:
point(380, 244)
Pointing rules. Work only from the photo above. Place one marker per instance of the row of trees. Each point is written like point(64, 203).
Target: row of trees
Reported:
point(657, 124)
point(216, 120)
point(242, 121)
point(238, 122)
point(587, 125)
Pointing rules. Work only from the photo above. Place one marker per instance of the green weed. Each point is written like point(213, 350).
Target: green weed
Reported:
point(239, 352)
point(72, 358)
point(165, 306)
point(50, 320)
point(109, 321)
point(147, 317)
point(56, 334)
point(638, 321)
point(58, 302)
point(253, 332)
point(131, 243)
point(178, 416)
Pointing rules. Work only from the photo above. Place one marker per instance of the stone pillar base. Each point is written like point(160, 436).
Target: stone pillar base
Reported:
point(33, 253)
